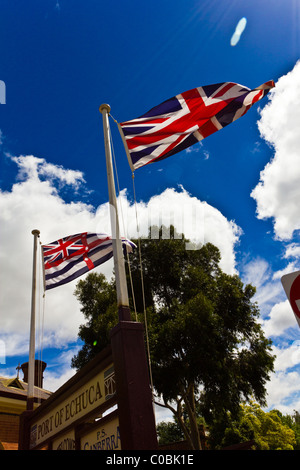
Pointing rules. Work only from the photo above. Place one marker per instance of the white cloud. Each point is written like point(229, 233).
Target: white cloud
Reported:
point(292, 251)
point(259, 273)
point(281, 318)
point(197, 148)
point(34, 202)
point(281, 389)
point(59, 371)
point(199, 221)
point(34, 168)
point(287, 357)
point(278, 192)
point(256, 272)
point(278, 323)
point(276, 316)
point(291, 267)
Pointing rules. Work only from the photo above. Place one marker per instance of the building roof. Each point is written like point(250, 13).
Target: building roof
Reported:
point(16, 388)
point(13, 401)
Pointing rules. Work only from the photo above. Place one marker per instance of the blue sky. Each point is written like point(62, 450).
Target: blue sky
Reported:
point(60, 60)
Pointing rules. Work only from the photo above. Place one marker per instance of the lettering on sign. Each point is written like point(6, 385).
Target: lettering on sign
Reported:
point(85, 399)
point(105, 437)
point(82, 401)
point(65, 442)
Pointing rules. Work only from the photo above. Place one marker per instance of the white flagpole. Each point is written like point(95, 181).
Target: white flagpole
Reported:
point(31, 365)
point(121, 284)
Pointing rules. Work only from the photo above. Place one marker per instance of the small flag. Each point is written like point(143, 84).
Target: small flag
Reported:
point(185, 120)
point(72, 256)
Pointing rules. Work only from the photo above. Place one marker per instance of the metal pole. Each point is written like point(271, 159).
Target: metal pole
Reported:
point(121, 284)
point(31, 365)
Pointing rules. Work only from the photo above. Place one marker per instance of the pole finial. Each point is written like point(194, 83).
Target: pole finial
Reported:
point(35, 232)
point(104, 107)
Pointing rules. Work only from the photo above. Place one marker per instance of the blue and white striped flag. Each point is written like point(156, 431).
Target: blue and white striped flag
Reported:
point(72, 256)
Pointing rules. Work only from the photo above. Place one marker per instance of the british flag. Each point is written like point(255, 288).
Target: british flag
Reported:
point(186, 119)
point(72, 256)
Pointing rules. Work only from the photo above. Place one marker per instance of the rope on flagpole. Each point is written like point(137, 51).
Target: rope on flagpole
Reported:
point(141, 269)
point(142, 285)
point(125, 231)
point(41, 317)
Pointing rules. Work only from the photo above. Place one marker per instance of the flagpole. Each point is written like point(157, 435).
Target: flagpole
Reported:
point(121, 283)
point(31, 365)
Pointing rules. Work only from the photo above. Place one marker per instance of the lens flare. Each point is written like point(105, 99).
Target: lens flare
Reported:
point(238, 31)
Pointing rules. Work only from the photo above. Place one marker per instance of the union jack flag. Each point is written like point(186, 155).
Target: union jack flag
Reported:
point(72, 256)
point(186, 119)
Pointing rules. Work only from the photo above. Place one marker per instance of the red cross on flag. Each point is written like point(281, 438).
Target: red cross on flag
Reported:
point(72, 256)
point(186, 119)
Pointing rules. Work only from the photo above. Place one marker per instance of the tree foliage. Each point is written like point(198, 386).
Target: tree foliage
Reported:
point(269, 430)
point(168, 432)
point(208, 351)
point(98, 302)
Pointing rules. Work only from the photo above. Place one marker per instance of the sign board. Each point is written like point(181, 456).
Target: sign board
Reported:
point(65, 441)
point(105, 436)
point(291, 285)
point(75, 406)
point(72, 417)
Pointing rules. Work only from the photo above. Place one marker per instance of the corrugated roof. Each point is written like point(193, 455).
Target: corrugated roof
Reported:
point(19, 388)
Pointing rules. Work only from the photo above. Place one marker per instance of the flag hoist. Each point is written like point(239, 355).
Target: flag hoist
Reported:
point(31, 364)
point(119, 265)
point(61, 267)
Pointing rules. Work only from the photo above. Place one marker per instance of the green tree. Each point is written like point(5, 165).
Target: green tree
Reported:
point(208, 351)
point(98, 300)
point(293, 422)
point(268, 429)
point(296, 428)
point(168, 432)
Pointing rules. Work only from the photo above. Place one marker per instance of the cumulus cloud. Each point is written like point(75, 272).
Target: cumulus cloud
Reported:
point(35, 202)
point(278, 192)
point(278, 323)
point(281, 389)
point(259, 273)
point(37, 168)
point(197, 220)
point(281, 318)
point(276, 315)
point(292, 251)
point(288, 357)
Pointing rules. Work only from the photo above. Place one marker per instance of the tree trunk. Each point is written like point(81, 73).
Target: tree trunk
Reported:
point(189, 400)
point(191, 410)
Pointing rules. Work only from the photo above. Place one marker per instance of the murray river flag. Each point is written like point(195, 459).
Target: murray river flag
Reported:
point(70, 257)
point(185, 120)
